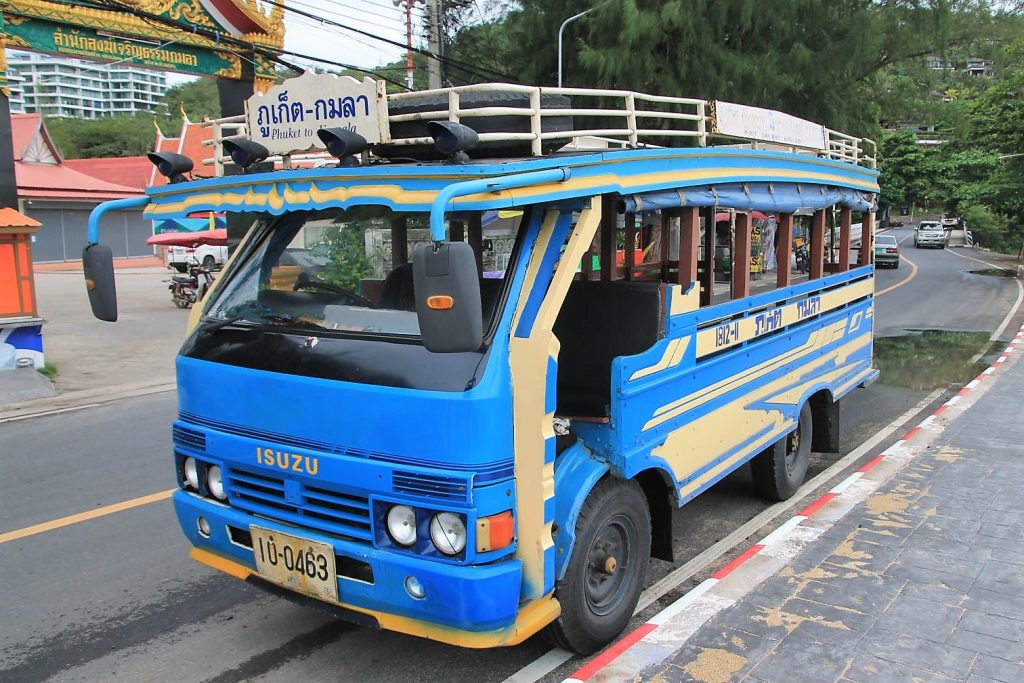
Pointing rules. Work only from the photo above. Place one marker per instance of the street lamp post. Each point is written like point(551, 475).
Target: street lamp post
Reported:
point(561, 29)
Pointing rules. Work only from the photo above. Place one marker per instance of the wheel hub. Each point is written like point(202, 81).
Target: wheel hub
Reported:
point(609, 564)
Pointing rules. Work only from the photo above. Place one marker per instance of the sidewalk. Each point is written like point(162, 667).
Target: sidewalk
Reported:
point(912, 569)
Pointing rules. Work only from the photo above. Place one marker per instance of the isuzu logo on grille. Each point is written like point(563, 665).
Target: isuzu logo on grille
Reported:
point(283, 460)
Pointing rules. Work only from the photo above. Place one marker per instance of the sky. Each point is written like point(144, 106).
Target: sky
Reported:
point(309, 36)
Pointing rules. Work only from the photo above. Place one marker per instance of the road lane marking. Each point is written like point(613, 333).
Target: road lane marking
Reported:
point(971, 258)
point(913, 272)
point(61, 522)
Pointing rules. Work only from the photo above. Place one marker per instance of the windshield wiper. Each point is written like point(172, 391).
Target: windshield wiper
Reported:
point(214, 324)
point(285, 319)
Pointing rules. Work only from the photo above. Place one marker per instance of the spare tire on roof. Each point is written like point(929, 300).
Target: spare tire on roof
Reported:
point(481, 124)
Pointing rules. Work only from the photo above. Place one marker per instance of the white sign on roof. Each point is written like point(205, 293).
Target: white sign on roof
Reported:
point(741, 121)
point(286, 118)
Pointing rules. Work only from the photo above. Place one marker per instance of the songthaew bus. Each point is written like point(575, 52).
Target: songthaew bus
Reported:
point(476, 345)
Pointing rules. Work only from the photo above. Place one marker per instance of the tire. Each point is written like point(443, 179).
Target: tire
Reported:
point(209, 262)
point(613, 532)
point(490, 124)
point(780, 469)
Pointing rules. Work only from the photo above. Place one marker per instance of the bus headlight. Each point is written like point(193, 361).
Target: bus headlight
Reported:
point(448, 532)
point(402, 525)
point(215, 482)
point(191, 472)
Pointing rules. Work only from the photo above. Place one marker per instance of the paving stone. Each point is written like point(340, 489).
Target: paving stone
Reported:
point(989, 645)
point(863, 593)
point(1003, 517)
point(827, 615)
point(718, 649)
point(941, 658)
point(1006, 551)
point(991, 602)
point(994, 625)
point(945, 564)
point(1014, 533)
point(948, 527)
point(940, 546)
point(998, 669)
point(754, 619)
point(914, 616)
point(858, 554)
point(884, 536)
point(930, 577)
point(827, 633)
point(1002, 577)
point(800, 659)
point(868, 669)
point(774, 591)
point(935, 592)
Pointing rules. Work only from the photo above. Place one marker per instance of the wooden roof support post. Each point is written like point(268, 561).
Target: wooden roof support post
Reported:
point(817, 245)
point(867, 239)
point(663, 241)
point(457, 231)
point(741, 259)
point(845, 221)
point(707, 279)
point(608, 221)
point(399, 241)
point(476, 240)
point(689, 245)
point(629, 247)
point(784, 250)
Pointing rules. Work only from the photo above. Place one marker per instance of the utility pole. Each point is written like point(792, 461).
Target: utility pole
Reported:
point(434, 43)
point(408, 5)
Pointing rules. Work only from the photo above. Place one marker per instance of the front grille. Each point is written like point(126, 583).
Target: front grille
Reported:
point(448, 488)
point(341, 514)
point(189, 438)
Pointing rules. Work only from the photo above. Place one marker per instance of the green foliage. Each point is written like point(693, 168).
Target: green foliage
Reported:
point(197, 98)
point(988, 228)
point(115, 136)
point(902, 164)
point(49, 371)
point(345, 246)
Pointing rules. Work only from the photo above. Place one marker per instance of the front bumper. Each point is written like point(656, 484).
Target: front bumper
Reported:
point(470, 606)
point(930, 241)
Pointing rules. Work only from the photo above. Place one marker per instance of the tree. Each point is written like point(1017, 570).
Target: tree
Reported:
point(196, 98)
point(904, 168)
point(114, 136)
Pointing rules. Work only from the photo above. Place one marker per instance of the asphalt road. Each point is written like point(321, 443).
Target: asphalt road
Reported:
point(116, 597)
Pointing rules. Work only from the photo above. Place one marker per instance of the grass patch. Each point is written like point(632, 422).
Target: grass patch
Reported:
point(49, 370)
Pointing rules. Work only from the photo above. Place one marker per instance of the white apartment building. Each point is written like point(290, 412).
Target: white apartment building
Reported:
point(62, 86)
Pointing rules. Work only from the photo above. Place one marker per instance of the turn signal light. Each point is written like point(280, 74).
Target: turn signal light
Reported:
point(440, 302)
point(494, 532)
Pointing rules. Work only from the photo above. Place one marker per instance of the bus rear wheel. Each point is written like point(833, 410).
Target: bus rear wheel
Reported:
point(606, 571)
point(780, 469)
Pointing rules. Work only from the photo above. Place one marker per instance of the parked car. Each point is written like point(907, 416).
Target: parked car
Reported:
point(887, 251)
point(206, 255)
point(931, 234)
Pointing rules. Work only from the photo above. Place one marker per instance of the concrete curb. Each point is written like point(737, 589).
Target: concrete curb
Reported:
point(664, 633)
point(78, 400)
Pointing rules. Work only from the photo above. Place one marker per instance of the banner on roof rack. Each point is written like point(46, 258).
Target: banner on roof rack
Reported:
point(285, 119)
point(767, 125)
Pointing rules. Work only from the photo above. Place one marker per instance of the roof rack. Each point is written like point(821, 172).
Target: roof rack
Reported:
point(607, 118)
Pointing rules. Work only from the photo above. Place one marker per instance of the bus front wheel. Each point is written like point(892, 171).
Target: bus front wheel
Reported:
point(779, 470)
point(606, 571)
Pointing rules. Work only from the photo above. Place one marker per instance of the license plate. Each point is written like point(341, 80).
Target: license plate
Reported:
point(297, 563)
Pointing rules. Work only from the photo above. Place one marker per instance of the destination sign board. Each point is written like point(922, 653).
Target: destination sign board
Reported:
point(286, 117)
point(742, 121)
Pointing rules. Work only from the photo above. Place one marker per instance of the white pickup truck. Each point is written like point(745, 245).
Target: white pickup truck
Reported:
point(206, 255)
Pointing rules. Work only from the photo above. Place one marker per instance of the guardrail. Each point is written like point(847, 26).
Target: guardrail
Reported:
point(618, 117)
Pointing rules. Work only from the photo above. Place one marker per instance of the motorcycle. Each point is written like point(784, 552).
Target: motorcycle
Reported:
point(189, 288)
point(803, 258)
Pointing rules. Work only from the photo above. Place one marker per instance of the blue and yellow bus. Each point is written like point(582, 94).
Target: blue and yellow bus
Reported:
point(437, 389)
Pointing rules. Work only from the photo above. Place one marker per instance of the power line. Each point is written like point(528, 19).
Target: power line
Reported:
point(468, 68)
point(225, 40)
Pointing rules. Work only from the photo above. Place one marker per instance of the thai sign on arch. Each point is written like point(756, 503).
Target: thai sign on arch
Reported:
point(285, 119)
point(754, 123)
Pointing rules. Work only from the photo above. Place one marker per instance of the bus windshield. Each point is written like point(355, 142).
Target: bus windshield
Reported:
point(348, 272)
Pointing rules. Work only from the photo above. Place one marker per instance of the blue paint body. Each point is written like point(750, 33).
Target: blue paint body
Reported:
point(374, 446)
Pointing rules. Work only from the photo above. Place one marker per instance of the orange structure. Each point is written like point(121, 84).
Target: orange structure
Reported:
point(17, 291)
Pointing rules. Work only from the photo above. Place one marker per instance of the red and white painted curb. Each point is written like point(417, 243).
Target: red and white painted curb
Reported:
point(667, 631)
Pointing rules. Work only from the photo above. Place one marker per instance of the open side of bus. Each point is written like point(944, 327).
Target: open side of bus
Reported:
point(327, 413)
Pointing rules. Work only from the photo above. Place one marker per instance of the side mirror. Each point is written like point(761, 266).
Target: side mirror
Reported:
point(448, 297)
point(98, 264)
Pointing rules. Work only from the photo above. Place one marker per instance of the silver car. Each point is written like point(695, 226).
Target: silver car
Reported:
point(930, 234)
point(887, 251)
